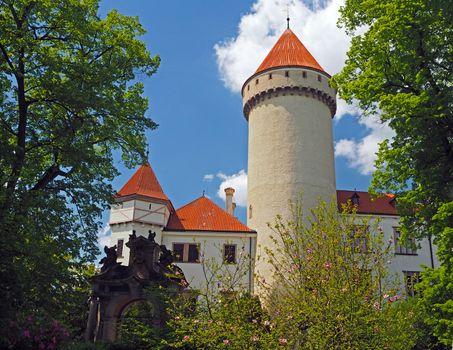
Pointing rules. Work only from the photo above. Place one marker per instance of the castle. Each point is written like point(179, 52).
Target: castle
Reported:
point(289, 106)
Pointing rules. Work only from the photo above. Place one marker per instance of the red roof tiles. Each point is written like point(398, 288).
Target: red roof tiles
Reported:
point(289, 52)
point(204, 215)
point(143, 182)
point(384, 205)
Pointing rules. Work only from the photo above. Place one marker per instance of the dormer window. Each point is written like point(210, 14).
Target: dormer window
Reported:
point(287, 74)
point(270, 75)
point(304, 74)
point(355, 199)
point(393, 202)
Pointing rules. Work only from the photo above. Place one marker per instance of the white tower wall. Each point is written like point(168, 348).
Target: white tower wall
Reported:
point(290, 146)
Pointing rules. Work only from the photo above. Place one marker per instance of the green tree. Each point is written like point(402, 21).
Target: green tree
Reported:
point(69, 97)
point(331, 288)
point(399, 67)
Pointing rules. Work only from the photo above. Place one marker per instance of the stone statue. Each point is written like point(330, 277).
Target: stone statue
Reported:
point(151, 235)
point(109, 260)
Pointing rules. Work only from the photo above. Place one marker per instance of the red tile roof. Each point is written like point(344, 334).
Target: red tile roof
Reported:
point(289, 52)
point(204, 215)
point(143, 182)
point(383, 205)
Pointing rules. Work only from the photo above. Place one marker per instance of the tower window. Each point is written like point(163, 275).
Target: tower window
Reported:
point(248, 87)
point(270, 75)
point(257, 81)
point(150, 206)
point(119, 248)
point(250, 211)
point(229, 253)
point(304, 74)
point(286, 73)
point(319, 77)
point(186, 252)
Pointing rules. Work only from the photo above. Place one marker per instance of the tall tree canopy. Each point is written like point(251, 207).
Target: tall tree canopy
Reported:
point(399, 67)
point(69, 97)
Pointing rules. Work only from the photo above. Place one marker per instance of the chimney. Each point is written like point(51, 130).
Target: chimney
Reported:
point(229, 191)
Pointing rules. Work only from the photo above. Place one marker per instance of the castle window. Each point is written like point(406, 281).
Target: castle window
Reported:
point(304, 74)
point(270, 75)
point(319, 78)
point(248, 87)
point(229, 253)
point(287, 74)
point(119, 248)
point(186, 252)
point(150, 206)
point(360, 238)
point(404, 248)
point(250, 211)
point(257, 81)
point(411, 278)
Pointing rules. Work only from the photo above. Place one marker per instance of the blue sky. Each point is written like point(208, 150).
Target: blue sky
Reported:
point(207, 50)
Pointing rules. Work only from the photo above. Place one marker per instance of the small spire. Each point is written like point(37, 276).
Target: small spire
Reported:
point(203, 193)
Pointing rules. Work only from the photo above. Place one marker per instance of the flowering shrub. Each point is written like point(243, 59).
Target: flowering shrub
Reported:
point(330, 287)
point(40, 333)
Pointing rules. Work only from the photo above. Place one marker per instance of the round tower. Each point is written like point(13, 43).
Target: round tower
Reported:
point(289, 106)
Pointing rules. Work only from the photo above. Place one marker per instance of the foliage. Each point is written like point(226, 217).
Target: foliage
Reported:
point(68, 98)
point(221, 313)
point(399, 67)
point(34, 328)
point(331, 288)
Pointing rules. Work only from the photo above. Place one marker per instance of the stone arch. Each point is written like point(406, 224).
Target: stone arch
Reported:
point(117, 286)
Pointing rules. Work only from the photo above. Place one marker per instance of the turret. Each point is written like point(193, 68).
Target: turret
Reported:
point(141, 206)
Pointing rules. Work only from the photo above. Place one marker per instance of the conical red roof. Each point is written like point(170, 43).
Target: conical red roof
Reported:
point(143, 182)
point(289, 52)
point(204, 215)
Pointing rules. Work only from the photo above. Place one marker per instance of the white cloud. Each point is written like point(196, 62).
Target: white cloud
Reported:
point(208, 177)
point(239, 182)
point(361, 154)
point(239, 57)
point(104, 235)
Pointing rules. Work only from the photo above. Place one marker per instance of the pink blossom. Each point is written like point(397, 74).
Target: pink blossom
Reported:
point(26, 333)
point(226, 342)
point(327, 265)
point(177, 318)
point(186, 338)
point(209, 322)
point(283, 341)
point(377, 305)
point(195, 321)
point(267, 323)
point(254, 321)
point(30, 318)
point(255, 338)
point(290, 317)
point(386, 296)
point(344, 289)
point(309, 251)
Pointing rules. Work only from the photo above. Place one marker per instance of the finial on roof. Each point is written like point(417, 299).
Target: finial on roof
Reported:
point(287, 16)
point(203, 193)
